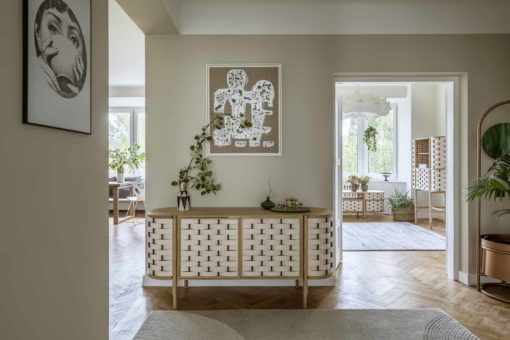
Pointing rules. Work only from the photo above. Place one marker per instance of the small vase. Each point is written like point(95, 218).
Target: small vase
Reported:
point(120, 176)
point(364, 187)
point(183, 199)
point(267, 204)
point(354, 187)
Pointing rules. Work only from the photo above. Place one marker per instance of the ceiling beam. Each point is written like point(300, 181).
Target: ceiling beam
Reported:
point(152, 16)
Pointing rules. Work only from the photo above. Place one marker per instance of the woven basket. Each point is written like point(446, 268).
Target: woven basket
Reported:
point(403, 214)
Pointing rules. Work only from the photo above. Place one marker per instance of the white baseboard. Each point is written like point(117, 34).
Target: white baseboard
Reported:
point(150, 282)
point(470, 279)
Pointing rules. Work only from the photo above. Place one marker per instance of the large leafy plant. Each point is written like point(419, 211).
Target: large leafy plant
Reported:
point(400, 200)
point(120, 157)
point(494, 185)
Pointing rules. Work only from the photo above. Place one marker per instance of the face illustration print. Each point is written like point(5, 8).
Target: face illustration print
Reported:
point(60, 48)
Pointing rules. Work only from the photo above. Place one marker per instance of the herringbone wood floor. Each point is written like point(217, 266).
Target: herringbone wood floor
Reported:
point(364, 280)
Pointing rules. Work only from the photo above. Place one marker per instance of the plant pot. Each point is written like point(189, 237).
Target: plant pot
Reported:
point(183, 187)
point(364, 187)
point(120, 176)
point(403, 214)
point(495, 256)
point(354, 187)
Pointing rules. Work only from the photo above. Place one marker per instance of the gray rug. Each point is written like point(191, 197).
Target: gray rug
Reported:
point(390, 236)
point(293, 324)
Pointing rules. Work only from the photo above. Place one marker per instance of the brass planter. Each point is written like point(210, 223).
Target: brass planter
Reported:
point(495, 256)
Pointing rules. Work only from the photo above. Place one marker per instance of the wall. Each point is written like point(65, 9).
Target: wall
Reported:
point(54, 243)
point(176, 106)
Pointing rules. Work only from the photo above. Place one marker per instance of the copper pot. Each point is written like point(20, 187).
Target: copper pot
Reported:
point(495, 256)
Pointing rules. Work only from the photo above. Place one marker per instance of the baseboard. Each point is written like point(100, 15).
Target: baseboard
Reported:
point(150, 282)
point(470, 279)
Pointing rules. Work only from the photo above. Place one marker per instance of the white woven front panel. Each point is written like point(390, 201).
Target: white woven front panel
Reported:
point(352, 205)
point(271, 247)
point(438, 180)
point(374, 195)
point(320, 247)
point(375, 205)
point(437, 152)
point(421, 178)
point(159, 246)
point(209, 247)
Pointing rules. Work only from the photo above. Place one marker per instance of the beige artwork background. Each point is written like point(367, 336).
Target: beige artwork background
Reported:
point(218, 80)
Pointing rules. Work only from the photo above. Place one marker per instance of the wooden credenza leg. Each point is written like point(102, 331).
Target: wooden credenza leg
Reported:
point(305, 293)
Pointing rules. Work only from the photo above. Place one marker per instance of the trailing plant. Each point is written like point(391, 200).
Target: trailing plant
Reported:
point(400, 200)
point(370, 138)
point(494, 185)
point(198, 172)
point(364, 180)
point(121, 157)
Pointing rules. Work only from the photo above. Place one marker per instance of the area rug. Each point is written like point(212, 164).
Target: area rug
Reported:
point(390, 236)
point(293, 324)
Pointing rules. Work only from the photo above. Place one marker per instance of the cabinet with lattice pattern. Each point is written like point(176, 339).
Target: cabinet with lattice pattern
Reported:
point(429, 171)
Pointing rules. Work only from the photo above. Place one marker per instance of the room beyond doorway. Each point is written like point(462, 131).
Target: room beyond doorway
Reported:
point(406, 109)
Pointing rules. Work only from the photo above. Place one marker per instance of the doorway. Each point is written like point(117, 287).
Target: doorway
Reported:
point(361, 216)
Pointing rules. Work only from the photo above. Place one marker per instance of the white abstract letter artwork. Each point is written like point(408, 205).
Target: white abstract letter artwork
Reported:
point(238, 98)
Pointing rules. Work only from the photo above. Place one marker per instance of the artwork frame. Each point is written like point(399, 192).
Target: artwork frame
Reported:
point(57, 64)
point(275, 130)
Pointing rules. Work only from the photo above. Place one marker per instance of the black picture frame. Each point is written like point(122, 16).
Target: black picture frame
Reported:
point(62, 103)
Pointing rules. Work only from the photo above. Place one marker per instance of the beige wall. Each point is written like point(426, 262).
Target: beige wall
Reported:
point(53, 207)
point(176, 105)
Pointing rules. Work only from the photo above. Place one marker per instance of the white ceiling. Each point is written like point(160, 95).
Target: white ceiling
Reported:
point(339, 16)
point(126, 48)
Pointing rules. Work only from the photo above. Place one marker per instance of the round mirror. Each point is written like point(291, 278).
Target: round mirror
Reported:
point(496, 140)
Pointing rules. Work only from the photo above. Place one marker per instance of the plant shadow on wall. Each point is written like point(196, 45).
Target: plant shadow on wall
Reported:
point(198, 174)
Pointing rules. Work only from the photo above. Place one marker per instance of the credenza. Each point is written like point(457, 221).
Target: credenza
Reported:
point(239, 243)
point(362, 202)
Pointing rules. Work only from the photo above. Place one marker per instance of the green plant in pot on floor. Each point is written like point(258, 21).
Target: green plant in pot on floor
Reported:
point(122, 157)
point(402, 206)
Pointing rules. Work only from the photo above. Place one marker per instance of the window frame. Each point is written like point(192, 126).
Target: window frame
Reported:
point(363, 158)
point(133, 111)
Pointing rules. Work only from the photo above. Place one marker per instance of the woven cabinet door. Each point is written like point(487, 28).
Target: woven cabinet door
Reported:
point(159, 247)
point(271, 247)
point(320, 247)
point(209, 247)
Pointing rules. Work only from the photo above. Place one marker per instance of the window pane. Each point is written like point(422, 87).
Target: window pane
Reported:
point(382, 160)
point(120, 129)
point(349, 146)
point(140, 138)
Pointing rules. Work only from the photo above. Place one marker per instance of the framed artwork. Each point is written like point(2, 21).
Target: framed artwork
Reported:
point(57, 64)
point(248, 99)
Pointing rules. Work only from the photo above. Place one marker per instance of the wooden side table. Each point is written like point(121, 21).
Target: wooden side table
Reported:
point(115, 186)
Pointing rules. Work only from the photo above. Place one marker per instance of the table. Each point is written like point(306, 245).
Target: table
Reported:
point(239, 243)
point(115, 186)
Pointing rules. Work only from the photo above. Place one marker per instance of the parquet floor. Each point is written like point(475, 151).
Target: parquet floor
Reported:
point(364, 280)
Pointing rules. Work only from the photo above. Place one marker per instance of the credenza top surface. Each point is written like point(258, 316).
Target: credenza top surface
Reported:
point(232, 212)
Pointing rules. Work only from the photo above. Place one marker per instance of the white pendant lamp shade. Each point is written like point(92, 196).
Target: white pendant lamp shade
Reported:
point(364, 105)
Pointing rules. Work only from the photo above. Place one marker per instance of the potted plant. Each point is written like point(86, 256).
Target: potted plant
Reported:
point(402, 206)
point(354, 181)
point(120, 157)
point(363, 182)
point(495, 186)
point(370, 138)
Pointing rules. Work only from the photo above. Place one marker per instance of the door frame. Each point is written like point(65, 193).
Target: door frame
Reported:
point(456, 131)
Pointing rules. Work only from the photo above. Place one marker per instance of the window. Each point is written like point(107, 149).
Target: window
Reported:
point(127, 128)
point(356, 159)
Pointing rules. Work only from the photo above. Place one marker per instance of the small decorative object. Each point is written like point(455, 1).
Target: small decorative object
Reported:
point(291, 205)
point(402, 206)
point(57, 64)
point(496, 140)
point(370, 138)
point(197, 173)
point(248, 97)
point(354, 181)
point(183, 199)
point(386, 175)
point(363, 181)
point(122, 157)
point(268, 204)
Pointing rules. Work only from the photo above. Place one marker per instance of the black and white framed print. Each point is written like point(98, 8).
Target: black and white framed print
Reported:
point(56, 52)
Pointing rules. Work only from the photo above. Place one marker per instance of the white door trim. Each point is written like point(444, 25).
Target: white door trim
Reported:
point(456, 131)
